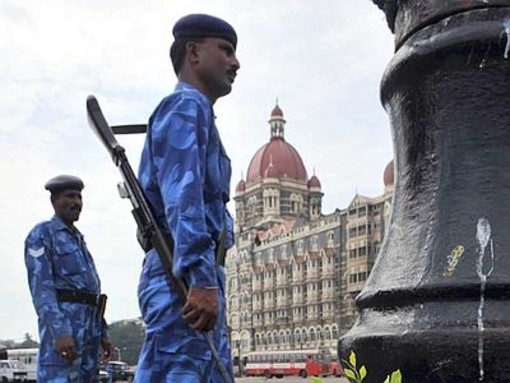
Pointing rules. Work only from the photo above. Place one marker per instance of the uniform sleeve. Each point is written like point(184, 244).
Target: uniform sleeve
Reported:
point(41, 283)
point(179, 137)
point(230, 229)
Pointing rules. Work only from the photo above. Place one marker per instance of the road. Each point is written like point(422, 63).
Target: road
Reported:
point(284, 380)
point(290, 380)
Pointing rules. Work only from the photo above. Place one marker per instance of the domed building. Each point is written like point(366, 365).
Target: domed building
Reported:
point(294, 272)
point(277, 188)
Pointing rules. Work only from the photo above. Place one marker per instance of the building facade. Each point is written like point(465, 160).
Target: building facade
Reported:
point(294, 272)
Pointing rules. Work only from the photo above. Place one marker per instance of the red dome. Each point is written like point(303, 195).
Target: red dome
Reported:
point(389, 174)
point(271, 171)
point(285, 160)
point(314, 182)
point(241, 187)
point(277, 112)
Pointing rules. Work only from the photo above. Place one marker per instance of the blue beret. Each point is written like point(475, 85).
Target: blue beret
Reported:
point(200, 25)
point(64, 182)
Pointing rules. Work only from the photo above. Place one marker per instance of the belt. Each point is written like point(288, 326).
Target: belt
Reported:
point(77, 297)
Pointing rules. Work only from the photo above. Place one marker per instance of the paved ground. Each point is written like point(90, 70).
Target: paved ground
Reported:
point(290, 380)
point(284, 380)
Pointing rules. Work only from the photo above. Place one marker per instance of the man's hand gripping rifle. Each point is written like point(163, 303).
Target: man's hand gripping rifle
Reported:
point(149, 235)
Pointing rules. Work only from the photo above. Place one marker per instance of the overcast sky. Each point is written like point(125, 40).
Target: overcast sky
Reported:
point(323, 61)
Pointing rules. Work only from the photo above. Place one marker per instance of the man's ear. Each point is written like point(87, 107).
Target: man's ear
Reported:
point(192, 52)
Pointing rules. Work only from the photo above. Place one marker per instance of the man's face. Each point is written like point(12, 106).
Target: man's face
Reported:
point(217, 66)
point(68, 205)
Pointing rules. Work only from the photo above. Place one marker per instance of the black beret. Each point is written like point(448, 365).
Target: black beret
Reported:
point(64, 182)
point(200, 25)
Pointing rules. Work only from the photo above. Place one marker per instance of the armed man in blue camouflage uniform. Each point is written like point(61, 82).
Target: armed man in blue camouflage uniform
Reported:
point(185, 174)
point(66, 290)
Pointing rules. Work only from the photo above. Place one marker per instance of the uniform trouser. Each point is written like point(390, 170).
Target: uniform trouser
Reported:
point(172, 351)
point(52, 368)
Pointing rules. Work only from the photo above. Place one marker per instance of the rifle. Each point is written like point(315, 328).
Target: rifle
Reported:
point(149, 235)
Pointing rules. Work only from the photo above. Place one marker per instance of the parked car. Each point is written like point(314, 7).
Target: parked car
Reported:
point(119, 371)
point(27, 357)
point(12, 371)
point(104, 377)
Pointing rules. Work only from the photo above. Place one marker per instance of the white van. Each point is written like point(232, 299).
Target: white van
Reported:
point(28, 357)
point(12, 371)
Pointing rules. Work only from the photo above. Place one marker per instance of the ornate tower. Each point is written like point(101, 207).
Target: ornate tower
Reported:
point(277, 187)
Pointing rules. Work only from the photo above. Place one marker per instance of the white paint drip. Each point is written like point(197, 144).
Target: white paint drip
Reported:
point(506, 24)
point(483, 236)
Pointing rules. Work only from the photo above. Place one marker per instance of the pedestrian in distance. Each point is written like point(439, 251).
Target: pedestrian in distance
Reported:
point(66, 291)
point(185, 175)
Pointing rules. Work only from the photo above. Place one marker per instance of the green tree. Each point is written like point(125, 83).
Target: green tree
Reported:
point(27, 342)
point(127, 337)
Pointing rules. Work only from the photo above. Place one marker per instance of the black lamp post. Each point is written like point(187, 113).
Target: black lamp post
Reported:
point(436, 307)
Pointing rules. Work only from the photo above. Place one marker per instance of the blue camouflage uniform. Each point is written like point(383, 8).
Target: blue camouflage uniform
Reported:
point(57, 258)
point(185, 175)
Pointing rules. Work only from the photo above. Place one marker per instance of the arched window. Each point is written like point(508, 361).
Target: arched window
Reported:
point(270, 256)
point(330, 239)
point(296, 203)
point(252, 205)
point(297, 336)
point(312, 335)
point(327, 333)
point(288, 336)
point(276, 339)
point(301, 247)
point(315, 243)
point(335, 332)
point(282, 337)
